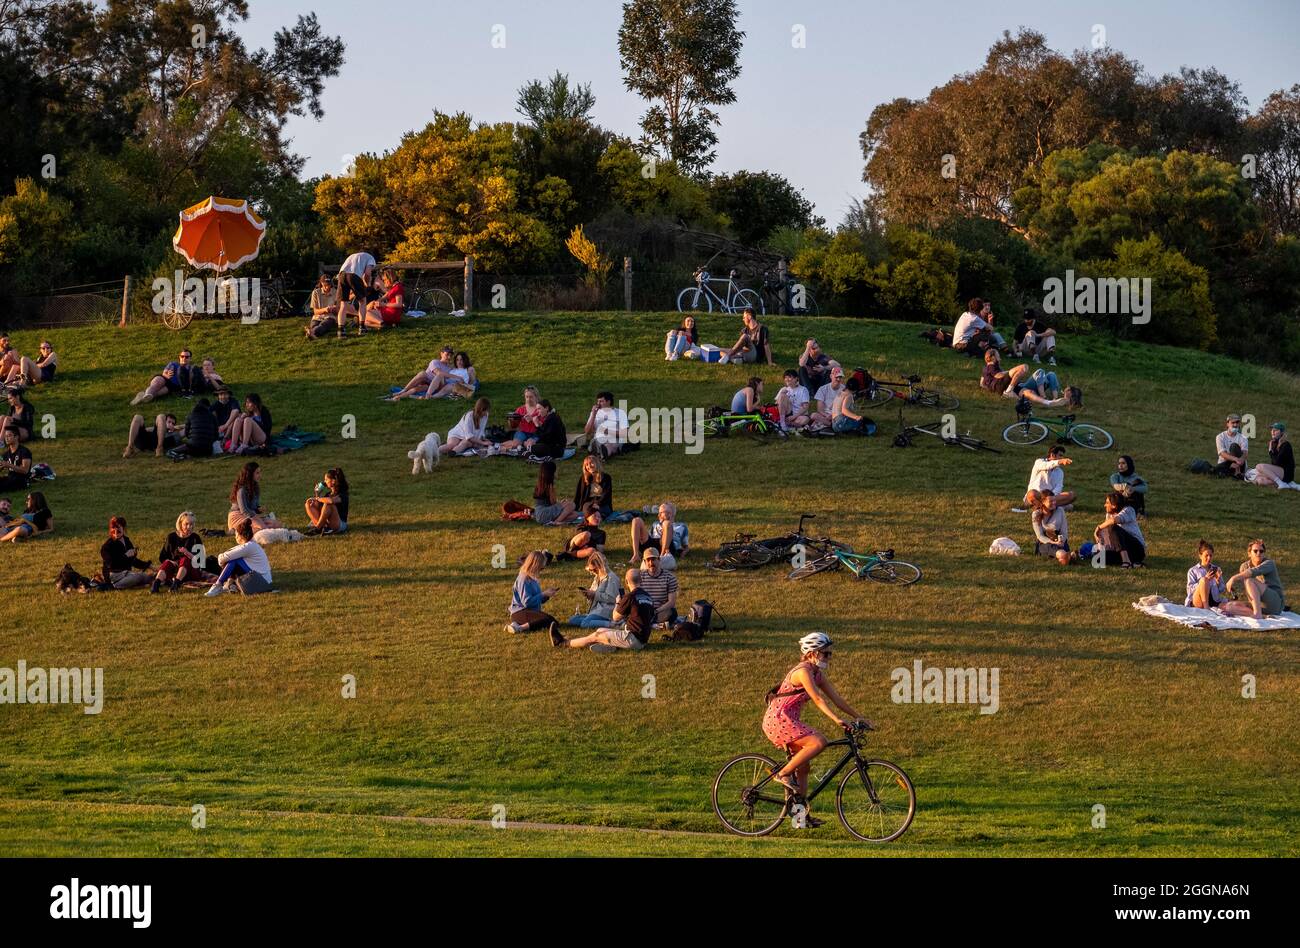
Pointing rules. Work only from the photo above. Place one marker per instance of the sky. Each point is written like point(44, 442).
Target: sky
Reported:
point(799, 111)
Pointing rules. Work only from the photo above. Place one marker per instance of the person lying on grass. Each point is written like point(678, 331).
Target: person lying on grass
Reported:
point(602, 595)
point(588, 539)
point(527, 597)
point(666, 535)
point(35, 518)
point(160, 437)
point(630, 625)
point(1259, 580)
point(243, 567)
point(1119, 534)
point(437, 373)
point(327, 508)
point(123, 569)
point(246, 500)
point(182, 556)
point(1205, 588)
point(781, 722)
point(470, 433)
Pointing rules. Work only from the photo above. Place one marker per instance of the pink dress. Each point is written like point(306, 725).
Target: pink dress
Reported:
point(781, 723)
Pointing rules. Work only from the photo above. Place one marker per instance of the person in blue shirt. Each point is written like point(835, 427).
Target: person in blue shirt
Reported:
point(528, 597)
point(1205, 588)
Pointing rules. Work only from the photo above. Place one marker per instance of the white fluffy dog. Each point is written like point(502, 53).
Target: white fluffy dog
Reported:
point(425, 457)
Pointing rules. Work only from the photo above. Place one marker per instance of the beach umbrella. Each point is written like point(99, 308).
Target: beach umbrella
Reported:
point(219, 234)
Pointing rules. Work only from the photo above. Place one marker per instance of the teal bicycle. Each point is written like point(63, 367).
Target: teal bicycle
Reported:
point(1031, 430)
point(879, 567)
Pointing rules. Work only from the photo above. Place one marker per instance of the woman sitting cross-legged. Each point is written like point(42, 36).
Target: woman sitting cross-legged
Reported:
point(35, 518)
point(244, 566)
point(123, 569)
point(528, 597)
point(182, 556)
point(1119, 534)
point(546, 509)
point(470, 433)
point(631, 621)
point(602, 595)
point(162, 436)
point(328, 508)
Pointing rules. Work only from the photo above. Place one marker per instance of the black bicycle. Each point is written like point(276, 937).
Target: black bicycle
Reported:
point(798, 299)
point(746, 552)
point(875, 799)
point(909, 391)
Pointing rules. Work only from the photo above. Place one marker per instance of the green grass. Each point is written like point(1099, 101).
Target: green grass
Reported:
point(236, 704)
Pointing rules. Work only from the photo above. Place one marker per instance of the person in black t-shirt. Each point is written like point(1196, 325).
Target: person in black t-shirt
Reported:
point(20, 417)
point(328, 508)
point(162, 436)
point(552, 438)
point(634, 609)
point(182, 556)
point(1034, 339)
point(588, 538)
point(15, 463)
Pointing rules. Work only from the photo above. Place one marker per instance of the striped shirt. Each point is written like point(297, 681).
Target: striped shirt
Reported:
point(658, 586)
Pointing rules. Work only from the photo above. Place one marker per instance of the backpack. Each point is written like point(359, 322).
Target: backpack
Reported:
point(859, 381)
point(775, 692)
point(1200, 466)
point(771, 413)
point(702, 616)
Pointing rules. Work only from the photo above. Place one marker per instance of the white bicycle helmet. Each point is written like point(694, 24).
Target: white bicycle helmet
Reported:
point(814, 642)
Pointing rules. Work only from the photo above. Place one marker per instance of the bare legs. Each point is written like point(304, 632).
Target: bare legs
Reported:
point(137, 425)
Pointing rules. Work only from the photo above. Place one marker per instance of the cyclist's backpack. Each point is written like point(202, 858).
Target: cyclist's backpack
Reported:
point(775, 692)
point(703, 616)
point(714, 411)
point(771, 413)
point(859, 381)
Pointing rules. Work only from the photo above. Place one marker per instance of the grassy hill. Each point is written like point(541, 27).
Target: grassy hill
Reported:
point(235, 704)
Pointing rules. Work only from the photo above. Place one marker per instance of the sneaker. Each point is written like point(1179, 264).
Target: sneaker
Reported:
point(600, 648)
point(557, 639)
point(1036, 359)
point(513, 629)
point(788, 781)
point(175, 586)
point(811, 822)
point(141, 398)
point(155, 586)
point(327, 532)
point(216, 589)
point(312, 532)
point(1051, 360)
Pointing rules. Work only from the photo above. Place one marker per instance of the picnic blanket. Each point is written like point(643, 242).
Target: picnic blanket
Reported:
point(292, 438)
point(1162, 608)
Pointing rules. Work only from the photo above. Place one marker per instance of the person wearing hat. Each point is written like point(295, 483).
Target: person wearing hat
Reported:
point(224, 407)
point(1034, 339)
point(827, 396)
point(1280, 468)
point(1231, 448)
point(660, 585)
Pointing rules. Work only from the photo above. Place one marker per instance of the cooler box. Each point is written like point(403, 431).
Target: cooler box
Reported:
point(710, 353)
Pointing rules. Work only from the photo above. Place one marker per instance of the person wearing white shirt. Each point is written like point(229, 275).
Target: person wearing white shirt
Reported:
point(1048, 476)
point(606, 427)
point(973, 333)
point(470, 433)
point(1232, 446)
point(792, 402)
point(245, 567)
point(355, 279)
point(827, 396)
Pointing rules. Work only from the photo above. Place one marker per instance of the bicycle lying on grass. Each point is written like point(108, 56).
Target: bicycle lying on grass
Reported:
point(1030, 430)
point(935, 429)
point(875, 800)
point(745, 552)
point(879, 567)
point(878, 392)
point(756, 426)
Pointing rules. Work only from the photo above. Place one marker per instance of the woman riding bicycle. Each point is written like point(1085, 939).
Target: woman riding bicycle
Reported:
point(781, 724)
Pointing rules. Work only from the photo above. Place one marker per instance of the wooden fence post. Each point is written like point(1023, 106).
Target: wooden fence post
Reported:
point(126, 299)
point(627, 284)
point(469, 283)
point(783, 274)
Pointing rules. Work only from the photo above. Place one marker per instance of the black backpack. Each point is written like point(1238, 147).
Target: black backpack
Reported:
point(702, 617)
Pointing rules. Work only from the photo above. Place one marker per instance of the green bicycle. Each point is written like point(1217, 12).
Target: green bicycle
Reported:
point(1031, 430)
point(879, 567)
point(755, 426)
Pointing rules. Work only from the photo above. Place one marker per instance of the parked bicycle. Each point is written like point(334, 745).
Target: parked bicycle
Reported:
point(798, 300)
point(1029, 429)
point(702, 297)
point(746, 552)
point(756, 426)
point(909, 391)
point(879, 567)
point(875, 800)
point(426, 295)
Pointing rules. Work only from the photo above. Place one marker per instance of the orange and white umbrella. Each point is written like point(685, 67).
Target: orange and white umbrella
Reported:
point(219, 234)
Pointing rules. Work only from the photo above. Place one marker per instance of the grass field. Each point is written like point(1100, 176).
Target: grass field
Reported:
point(235, 704)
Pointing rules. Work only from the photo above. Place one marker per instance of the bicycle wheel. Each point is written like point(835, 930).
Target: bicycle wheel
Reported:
point(892, 572)
point(694, 300)
point(1090, 436)
point(874, 396)
point(973, 444)
point(750, 556)
point(747, 299)
point(435, 301)
point(764, 433)
point(932, 399)
point(812, 567)
point(809, 307)
point(876, 806)
point(1024, 432)
point(742, 809)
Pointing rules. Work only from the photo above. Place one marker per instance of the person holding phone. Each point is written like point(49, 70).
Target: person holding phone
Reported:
point(1205, 588)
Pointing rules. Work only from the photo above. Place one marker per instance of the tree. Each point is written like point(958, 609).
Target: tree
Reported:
point(1181, 311)
point(1273, 147)
point(555, 101)
point(759, 202)
point(682, 56)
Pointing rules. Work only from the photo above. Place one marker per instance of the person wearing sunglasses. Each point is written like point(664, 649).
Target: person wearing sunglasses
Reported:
point(1258, 579)
point(27, 373)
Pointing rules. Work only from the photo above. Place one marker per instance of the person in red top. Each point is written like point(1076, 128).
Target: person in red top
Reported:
point(388, 309)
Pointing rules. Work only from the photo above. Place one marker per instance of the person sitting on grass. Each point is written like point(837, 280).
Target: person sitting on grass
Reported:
point(246, 500)
point(440, 372)
point(660, 585)
point(200, 432)
point(463, 382)
point(588, 539)
point(792, 402)
point(27, 373)
point(245, 566)
point(594, 487)
point(123, 569)
point(9, 357)
point(552, 438)
point(823, 407)
point(15, 463)
point(1128, 482)
point(1232, 448)
point(1280, 468)
point(327, 508)
point(528, 597)
point(781, 722)
point(211, 378)
point(324, 309)
point(815, 366)
point(973, 334)
point(666, 535)
point(606, 427)
point(1034, 339)
point(166, 382)
point(1205, 589)
point(681, 340)
point(251, 430)
point(390, 306)
point(748, 400)
point(36, 518)
point(223, 409)
point(182, 556)
point(6, 513)
point(602, 595)
point(546, 508)
point(1259, 580)
point(1048, 476)
point(1119, 534)
point(21, 417)
point(523, 421)
point(470, 433)
point(1051, 532)
point(628, 627)
point(753, 344)
point(160, 437)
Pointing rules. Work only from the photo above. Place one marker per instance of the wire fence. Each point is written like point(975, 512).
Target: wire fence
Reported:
point(86, 305)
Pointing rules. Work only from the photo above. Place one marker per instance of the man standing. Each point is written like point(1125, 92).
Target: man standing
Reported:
point(1232, 447)
point(355, 279)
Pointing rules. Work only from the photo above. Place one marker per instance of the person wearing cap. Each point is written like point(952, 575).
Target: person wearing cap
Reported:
point(827, 397)
point(1280, 468)
point(752, 346)
point(660, 585)
point(815, 366)
point(1232, 448)
point(1034, 339)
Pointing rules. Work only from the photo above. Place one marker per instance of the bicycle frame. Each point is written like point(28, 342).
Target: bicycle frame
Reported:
point(859, 563)
point(705, 282)
point(1061, 427)
point(853, 754)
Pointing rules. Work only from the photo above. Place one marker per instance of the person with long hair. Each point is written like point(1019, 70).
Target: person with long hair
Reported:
point(462, 382)
point(546, 507)
point(748, 400)
point(182, 556)
point(1119, 534)
point(525, 419)
point(35, 518)
point(328, 509)
point(470, 433)
point(390, 306)
point(27, 373)
point(123, 568)
point(15, 463)
point(602, 595)
point(594, 487)
point(1205, 583)
point(21, 416)
point(253, 427)
point(246, 500)
point(1280, 468)
point(681, 340)
point(1051, 531)
point(628, 627)
point(528, 597)
point(1259, 580)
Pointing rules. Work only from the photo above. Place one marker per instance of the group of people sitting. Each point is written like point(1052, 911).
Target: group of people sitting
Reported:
point(212, 427)
point(752, 346)
point(1257, 584)
point(1232, 455)
point(974, 334)
point(183, 378)
point(354, 293)
point(20, 371)
point(450, 375)
point(813, 396)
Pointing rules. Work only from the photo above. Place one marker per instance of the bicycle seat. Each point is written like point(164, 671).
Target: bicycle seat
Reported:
point(914, 379)
point(733, 274)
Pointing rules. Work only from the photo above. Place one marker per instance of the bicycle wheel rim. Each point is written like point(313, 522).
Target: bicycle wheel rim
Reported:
point(1024, 432)
point(694, 300)
point(755, 816)
point(743, 558)
point(812, 567)
point(938, 400)
point(893, 573)
point(889, 815)
point(1091, 437)
point(748, 298)
point(874, 397)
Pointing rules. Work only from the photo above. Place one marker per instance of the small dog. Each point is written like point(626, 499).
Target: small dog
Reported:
point(426, 456)
point(276, 535)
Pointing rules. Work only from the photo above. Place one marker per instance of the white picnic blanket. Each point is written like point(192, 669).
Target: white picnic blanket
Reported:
point(1162, 608)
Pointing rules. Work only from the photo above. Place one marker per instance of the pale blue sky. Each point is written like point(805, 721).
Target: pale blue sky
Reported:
point(798, 111)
